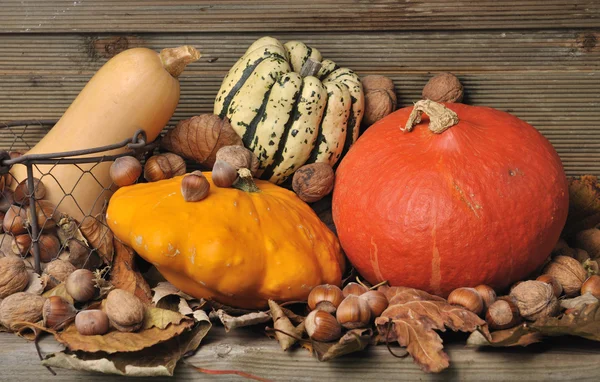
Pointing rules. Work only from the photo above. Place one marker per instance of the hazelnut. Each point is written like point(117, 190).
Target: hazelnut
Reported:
point(592, 285)
point(57, 272)
point(325, 297)
point(354, 312)
point(21, 244)
point(322, 326)
point(6, 200)
point(503, 314)
point(354, 288)
point(568, 272)
point(125, 171)
point(194, 187)
point(57, 312)
point(535, 299)
point(223, 174)
point(589, 240)
point(380, 98)
point(46, 213)
point(81, 285)
point(556, 287)
point(313, 181)
point(468, 298)
point(488, 295)
point(49, 246)
point(238, 157)
point(13, 276)
point(124, 310)
point(377, 302)
point(21, 194)
point(164, 166)
point(91, 322)
point(21, 307)
point(444, 87)
point(15, 220)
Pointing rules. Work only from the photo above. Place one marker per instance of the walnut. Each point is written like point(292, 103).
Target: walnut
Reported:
point(535, 299)
point(444, 87)
point(13, 275)
point(57, 272)
point(21, 306)
point(313, 181)
point(380, 98)
point(568, 272)
point(124, 310)
point(238, 157)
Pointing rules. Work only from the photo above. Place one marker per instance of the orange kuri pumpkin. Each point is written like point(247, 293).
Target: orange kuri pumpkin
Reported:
point(480, 202)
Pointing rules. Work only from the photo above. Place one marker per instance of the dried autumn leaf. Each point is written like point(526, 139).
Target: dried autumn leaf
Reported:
point(157, 360)
point(411, 319)
point(520, 335)
point(353, 341)
point(200, 137)
point(286, 333)
point(124, 274)
point(164, 289)
point(61, 291)
point(584, 204)
point(160, 318)
point(99, 236)
point(584, 322)
point(36, 283)
point(578, 302)
point(68, 229)
point(232, 322)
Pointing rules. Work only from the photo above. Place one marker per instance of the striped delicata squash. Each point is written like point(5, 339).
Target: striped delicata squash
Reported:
point(286, 118)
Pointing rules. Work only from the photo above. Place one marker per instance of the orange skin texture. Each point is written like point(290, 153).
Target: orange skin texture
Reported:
point(234, 247)
point(482, 203)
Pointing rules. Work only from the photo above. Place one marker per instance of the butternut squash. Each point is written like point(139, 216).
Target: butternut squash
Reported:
point(137, 88)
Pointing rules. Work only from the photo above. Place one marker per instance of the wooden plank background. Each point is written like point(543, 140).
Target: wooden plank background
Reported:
point(539, 60)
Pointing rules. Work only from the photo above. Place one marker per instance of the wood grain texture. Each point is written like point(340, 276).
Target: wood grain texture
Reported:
point(557, 360)
point(280, 15)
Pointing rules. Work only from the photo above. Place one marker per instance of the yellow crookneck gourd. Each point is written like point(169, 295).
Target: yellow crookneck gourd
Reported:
point(236, 247)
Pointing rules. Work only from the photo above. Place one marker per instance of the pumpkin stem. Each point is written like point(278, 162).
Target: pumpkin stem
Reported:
point(310, 68)
point(175, 60)
point(244, 182)
point(440, 117)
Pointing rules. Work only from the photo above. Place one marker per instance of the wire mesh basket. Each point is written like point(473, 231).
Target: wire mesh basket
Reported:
point(36, 229)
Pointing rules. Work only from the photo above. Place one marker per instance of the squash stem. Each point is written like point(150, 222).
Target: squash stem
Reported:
point(244, 182)
point(175, 60)
point(440, 117)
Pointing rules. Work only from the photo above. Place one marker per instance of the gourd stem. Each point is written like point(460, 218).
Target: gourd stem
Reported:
point(175, 60)
point(310, 68)
point(244, 182)
point(440, 117)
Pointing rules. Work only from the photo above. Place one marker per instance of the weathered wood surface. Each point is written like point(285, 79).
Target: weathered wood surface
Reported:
point(280, 15)
point(564, 359)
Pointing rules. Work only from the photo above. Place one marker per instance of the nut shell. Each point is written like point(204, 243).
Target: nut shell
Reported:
point(535, 299)
point(488, 294)
point(354, 288)
point(81, 285)
point(556, 287)
point(592, 285)
point(91, 322)
point(568, 272)
point(6, 199)
point(57, 312)
point(468, 298)
point(380, 98)
point(13, 276)
point(503, 314)
point(589, 240)
point(194, 187)
point(124, 310)
point(325, 297)
point(377, 302)
point(15, 220)
point(322, 326)
point(21, 194)
point(57, 272)
point(354, 312)
point(49, 248)
point(21, 244)
point(164, 166)
point(125, 171)
point(21, 306)
point(238, 157)
point(444, 87)
point(313, 181)
point(223, 174)
point(46, 213)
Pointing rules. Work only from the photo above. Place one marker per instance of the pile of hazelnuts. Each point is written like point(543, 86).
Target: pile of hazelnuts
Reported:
point(332, 309)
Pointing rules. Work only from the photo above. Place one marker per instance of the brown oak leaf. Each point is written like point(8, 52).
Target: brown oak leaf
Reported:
point(200, 137)
point(124, 274)
point(352, 341)
point(232, 322)
point(521, 335)
point(99, 236)
point(582, 322)
point(412, 318)
point(287, 334)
